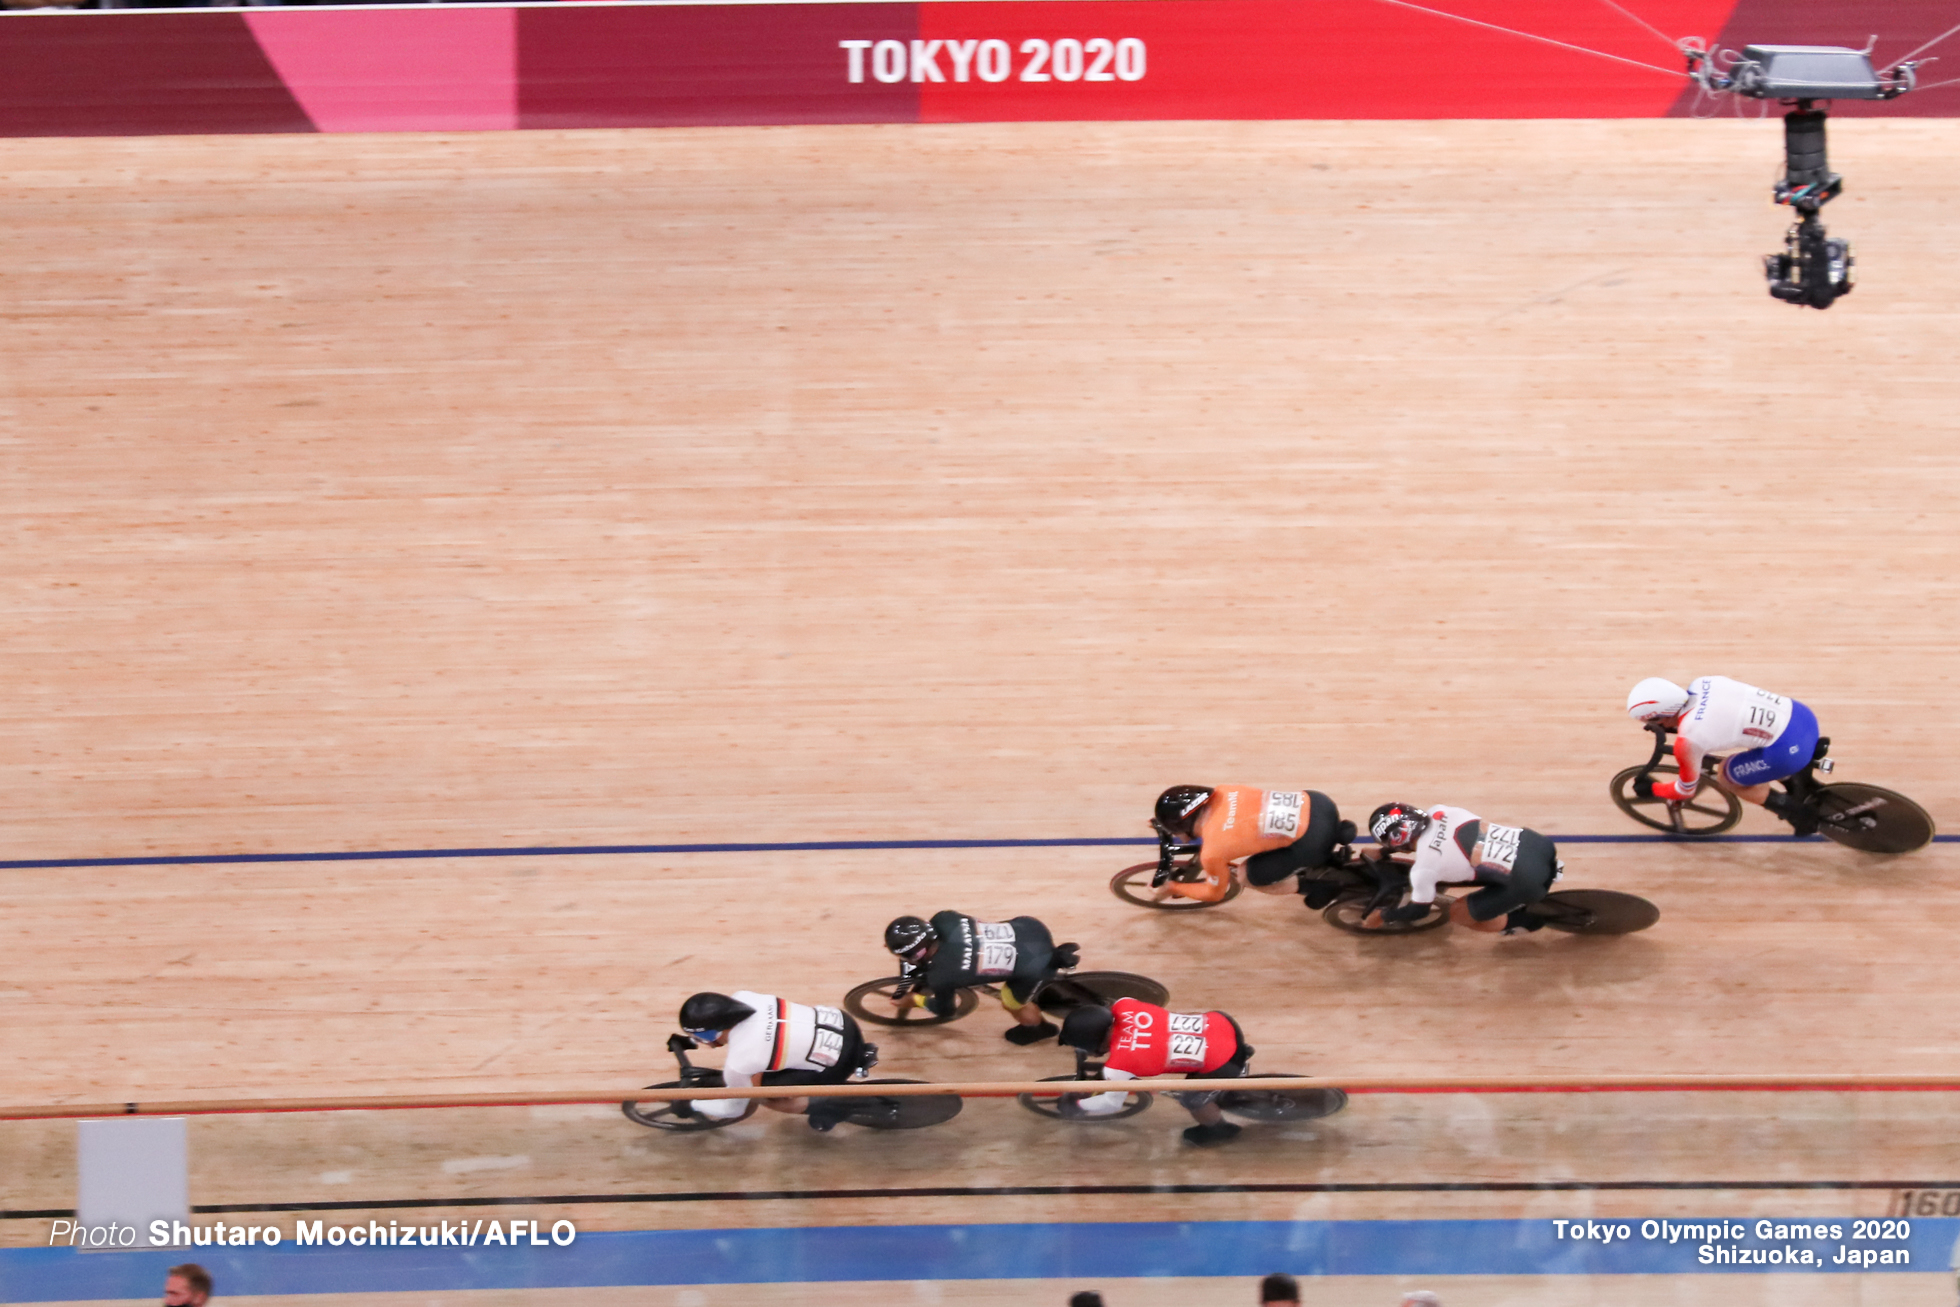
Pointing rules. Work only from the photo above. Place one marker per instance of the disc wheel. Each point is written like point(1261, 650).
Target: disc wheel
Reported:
point(910, 1112)
point(880, 1012)
point(664, 1115)
point(1132, 885)
point(1282, 1104)
point(1062, 1107)
point(1349, 913)
point(1871, 819)
point(1594, 912)
point(1082, 988)
point(1712, 810)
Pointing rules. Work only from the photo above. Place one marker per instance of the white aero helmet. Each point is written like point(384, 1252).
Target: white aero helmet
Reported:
point(1655, 697)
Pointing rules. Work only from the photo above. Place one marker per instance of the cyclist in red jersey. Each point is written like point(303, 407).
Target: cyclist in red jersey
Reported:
point(1139, 1040)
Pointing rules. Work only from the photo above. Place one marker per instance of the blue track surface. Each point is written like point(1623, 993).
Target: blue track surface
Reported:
point(925, 1252)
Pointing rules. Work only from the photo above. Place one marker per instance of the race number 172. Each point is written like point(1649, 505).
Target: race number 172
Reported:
point(1097, 59)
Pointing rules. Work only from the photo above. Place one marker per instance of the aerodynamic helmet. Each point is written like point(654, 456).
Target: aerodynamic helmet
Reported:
point(1175, 806)
point(907, 935)
point(1087, 1028)
point(1398, 826)
point(1654, 698)
point(707, 1014)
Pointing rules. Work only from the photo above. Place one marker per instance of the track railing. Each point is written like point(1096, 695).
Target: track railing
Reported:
point(1003, 1089)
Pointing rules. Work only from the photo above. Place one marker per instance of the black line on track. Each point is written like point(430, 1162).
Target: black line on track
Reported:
point(1043, 1190)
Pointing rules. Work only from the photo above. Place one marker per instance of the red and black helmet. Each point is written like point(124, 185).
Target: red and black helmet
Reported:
point(1175, 806)
point(1397, 826)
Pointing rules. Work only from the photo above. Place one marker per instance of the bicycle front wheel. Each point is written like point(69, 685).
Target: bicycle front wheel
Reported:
point(1871, 819)
point(872, 1001)
point(677, 1116)
point(1062, 1107)
point(1712, 810)
point(1132, 885)
point(1350, 914)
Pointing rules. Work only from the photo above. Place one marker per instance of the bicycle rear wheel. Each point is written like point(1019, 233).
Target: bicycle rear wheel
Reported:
point(1349, 913)
point(1065, 993)
point(1871, 819)
point(1282, 1104)
point(1594, 912)
point(1062, 1107)
point(1132, 885)
point(884, 1014)
point(668, 1115)
point(909, 1112)
point(1712, 810)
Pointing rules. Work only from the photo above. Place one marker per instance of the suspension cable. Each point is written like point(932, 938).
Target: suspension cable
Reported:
point(1531, 36)
point(1930, 44)
point(1665, 38)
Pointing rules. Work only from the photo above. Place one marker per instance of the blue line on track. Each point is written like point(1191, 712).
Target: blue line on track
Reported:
point(797, 846)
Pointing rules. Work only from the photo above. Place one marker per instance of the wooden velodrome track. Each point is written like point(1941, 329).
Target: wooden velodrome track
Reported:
point(370, 493)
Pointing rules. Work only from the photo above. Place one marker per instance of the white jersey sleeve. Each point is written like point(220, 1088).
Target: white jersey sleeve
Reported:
point(1104, 1104)
point(1725, 716)
point(1439, 861)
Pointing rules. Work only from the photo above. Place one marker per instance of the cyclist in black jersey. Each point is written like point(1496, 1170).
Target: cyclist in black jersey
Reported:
point(954, 952)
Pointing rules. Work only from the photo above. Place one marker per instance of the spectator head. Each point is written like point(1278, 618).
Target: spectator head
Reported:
point(188, 1285)
point(1087, 1298)
point(1279, 1289)
point(1421, 1298)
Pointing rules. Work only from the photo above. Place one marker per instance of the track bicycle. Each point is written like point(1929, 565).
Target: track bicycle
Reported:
point(1060, 993)
point(911, 1112)
point(1356, 886)
point(1568, 911)
point(1859, 816)
point(1360, 885)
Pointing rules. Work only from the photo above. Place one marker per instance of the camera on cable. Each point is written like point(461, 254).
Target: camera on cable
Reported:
point(1814, 267)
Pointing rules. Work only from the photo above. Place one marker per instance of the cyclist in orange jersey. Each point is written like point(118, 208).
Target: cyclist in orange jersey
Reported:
point(1268, 836)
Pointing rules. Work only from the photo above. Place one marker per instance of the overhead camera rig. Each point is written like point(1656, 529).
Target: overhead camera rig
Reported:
point(1814, 268)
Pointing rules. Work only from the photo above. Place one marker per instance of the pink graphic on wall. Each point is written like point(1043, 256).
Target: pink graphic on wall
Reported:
point(432, 69)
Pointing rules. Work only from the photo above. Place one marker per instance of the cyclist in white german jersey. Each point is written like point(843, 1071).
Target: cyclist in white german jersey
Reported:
point(1512, 867)
point(1765, 737)
point(771, 1041)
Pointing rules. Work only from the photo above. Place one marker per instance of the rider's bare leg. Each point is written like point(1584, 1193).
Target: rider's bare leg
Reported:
point(793, 1106)
point(1460, 914)
point(1747, 793)
point(1026, 1015)
point(1208, 1114)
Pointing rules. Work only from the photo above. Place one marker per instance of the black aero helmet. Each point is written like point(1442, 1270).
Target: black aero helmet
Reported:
point(707, 1011)
point(1087, 1028)
point(1175, 806)
point(1398, 825)
point(907, 935)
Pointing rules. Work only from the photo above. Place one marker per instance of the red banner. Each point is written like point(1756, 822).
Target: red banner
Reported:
point(456, 68)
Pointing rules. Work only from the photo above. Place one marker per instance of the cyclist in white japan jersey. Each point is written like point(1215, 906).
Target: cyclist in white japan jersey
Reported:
point(1511, 866)
point(772, 1041)
point(1765, 736)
